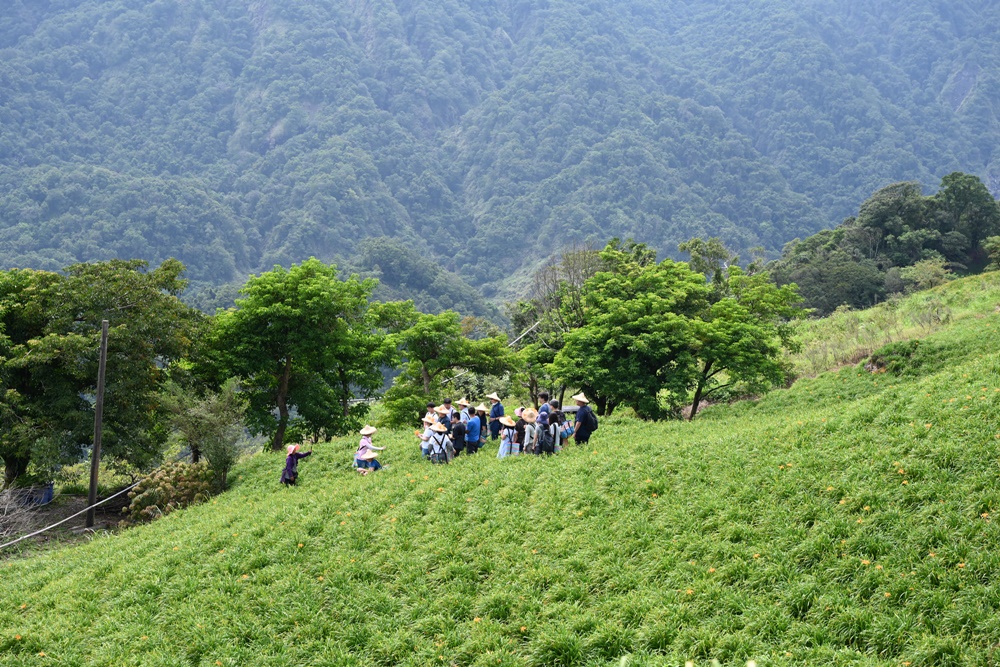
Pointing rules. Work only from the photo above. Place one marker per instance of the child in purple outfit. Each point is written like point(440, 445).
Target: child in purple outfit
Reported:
point(291, 471)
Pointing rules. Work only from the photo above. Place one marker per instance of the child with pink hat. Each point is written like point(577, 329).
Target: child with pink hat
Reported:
point(291, 471)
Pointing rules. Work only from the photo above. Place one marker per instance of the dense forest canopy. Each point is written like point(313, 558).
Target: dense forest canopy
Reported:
point(239, 134)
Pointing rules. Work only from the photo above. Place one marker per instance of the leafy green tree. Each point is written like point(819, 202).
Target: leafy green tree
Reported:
point(968, 208)
point(52, 325)
point(210, 425)
point(741, 336)
point(299, 339)
point(636, 344)
point(435, 349)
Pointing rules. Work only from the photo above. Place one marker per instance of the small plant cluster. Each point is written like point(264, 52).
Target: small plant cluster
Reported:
point(171, 487)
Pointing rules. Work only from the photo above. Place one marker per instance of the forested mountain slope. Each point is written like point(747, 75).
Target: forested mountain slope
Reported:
point(236, 134)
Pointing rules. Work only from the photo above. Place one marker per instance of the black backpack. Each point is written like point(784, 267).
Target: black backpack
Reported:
point(546, 443)
point(591, 420)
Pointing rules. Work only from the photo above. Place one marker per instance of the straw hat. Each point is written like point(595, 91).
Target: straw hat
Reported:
point(427, 420)
point(507, 421)
point(292, 449)
point(481, 408)
point(440, 428)
point(441, 410)
point(464, 402)
point(530, 415)
point(369, 455)
point(580, 397)
point(493, 397)
point(368, 430)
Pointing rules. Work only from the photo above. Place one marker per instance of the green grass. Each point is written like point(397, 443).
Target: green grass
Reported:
point(848, 520)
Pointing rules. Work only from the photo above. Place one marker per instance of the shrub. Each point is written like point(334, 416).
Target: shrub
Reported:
point(173, 486)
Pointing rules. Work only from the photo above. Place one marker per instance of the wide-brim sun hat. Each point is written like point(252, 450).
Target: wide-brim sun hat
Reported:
point(427, 420)
point(580, 397)
point(440, 428)
point(519, 412)
point(369, 455)
point(367, 430)
point(507, 421)
point(481, 408)
point(530, 415)
point(493, 396)
point(441, 410)
point(463, 402)
point(292, 449)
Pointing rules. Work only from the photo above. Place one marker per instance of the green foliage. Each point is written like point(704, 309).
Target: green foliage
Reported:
point(237, 136)
point(210, 425)
point(173, 486)
point(899, 240)
point(436, 349)
point(301, 339)
point(660, 543)
point(52, 327)
point(635, 346)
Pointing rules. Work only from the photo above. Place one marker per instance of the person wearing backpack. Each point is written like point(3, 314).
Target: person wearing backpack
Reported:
point(586, 420)
point(529, 442)
point(441, 450)
point(508, 438)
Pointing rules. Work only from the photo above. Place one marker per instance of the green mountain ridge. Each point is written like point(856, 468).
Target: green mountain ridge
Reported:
point(464, 130)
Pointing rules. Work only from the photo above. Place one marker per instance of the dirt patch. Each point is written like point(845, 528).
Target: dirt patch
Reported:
point(106, 518)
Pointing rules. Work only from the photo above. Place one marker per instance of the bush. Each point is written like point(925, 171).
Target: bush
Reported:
point(173, 486)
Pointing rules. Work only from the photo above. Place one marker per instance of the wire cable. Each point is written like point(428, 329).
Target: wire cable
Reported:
point(72, 516)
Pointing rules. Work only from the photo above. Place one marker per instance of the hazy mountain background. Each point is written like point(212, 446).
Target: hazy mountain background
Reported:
point(480, 136)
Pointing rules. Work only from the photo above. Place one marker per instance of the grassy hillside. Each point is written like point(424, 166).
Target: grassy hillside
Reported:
point(850, 519)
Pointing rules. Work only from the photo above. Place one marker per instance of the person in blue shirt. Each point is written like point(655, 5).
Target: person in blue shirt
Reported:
point(496, 412)
point(543, 409)
point(472, 434)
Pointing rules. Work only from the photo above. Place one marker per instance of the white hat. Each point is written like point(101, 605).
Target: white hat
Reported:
point(481, 408)
point(427, 420)
point(580, 397)
point(463, 402)
point(440, 428)
point(493, 397)
point(369, 455)
point(368, 430)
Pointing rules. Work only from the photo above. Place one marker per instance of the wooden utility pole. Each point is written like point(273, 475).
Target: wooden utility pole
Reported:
point(95, 456)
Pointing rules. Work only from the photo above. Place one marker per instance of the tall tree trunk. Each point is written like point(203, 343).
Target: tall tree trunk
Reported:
point(702, 380)
point(14, 467)
point(282, 399)
point(427, 380)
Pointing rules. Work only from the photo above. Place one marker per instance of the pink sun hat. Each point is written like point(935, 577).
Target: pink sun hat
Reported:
point(292, 449)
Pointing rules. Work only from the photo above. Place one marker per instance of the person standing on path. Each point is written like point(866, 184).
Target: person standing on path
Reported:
point(291, 472)
point(363, 459)
point(496, 412)
point(585, 420)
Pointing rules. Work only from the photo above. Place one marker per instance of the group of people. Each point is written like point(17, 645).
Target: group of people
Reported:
point(449, 431)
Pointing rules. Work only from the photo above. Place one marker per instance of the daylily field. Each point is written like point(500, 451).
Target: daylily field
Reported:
point(851, 519)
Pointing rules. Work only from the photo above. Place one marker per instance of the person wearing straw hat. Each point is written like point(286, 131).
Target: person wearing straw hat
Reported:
point(291, 472)
point(529, 443)
point(508, 438)
point(425, 435)
point(496, 412)
point(586, 420)
point(364, 458)
point(472, 430)
point(443, 416)
point(441, 450)
point(464, 415)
